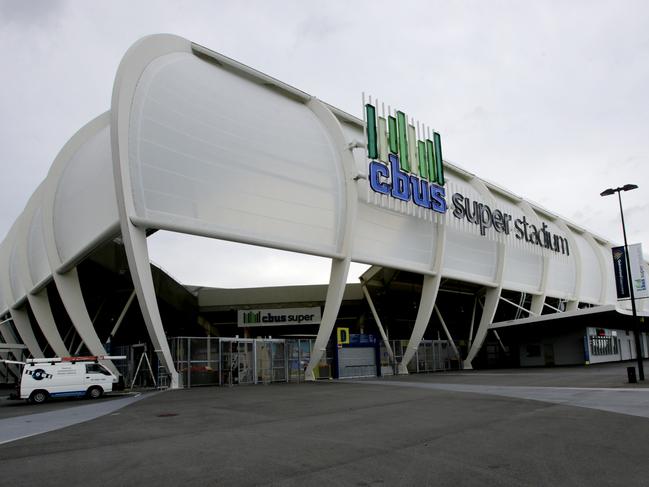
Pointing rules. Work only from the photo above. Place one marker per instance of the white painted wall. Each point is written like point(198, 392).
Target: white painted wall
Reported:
point(626, 346)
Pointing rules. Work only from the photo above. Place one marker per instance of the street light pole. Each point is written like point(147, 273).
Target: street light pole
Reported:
point(636, 327)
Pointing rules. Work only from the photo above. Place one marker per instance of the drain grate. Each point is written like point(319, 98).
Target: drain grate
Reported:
point(166, 415)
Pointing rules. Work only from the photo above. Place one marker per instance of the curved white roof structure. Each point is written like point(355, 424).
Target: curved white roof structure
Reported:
point(195, 142)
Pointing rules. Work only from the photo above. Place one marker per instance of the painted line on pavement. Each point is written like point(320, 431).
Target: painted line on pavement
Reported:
point(17, 428)
point(632, 402)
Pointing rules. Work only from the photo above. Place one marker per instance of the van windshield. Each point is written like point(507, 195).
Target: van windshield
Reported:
point(96, 369)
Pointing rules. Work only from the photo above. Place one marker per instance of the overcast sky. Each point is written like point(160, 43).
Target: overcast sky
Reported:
point(546, 98)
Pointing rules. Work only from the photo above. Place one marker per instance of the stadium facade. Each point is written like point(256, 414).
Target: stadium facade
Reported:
point(198, 143)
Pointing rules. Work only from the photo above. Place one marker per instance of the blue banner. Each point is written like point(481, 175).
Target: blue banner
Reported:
point(361, 340)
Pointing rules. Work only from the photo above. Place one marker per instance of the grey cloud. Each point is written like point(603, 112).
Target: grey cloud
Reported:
point(316, 28)
point(31, 12)
point(521, 96)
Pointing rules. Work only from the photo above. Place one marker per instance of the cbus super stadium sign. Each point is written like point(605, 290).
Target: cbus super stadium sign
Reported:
point(406, 165)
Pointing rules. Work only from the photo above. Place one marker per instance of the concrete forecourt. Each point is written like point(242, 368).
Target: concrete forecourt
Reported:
point(466, 428)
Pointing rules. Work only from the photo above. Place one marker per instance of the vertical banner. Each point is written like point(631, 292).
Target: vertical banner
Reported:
point(638, 272)
point(621, 275)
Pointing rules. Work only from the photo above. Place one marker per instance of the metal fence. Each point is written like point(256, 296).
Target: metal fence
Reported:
point(202, 361)
point(431, 356)
point(231, 361)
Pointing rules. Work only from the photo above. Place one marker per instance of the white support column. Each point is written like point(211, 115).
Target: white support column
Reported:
point(429, 291)
point(4, 355)
point(339, 267)
point(24, 327)
point(573, 302)
point(428, 297)
point(475, 305)
point(536, 307)
point(6, 333)
point(448, 334)
point(22, 324)
point(40, 305)
point(78, 349)
point(572, 305)
point(335, 292)
point(138, 262)
point(123, 314)
point(71, 331)
point(377, 319)
point(500, 341)
point(604, 269)
point(70, 291)
point(492, 297)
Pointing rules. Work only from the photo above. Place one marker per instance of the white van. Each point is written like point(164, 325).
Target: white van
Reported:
point(65, 377)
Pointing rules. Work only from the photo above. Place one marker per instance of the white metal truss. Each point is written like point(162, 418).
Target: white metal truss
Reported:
point(377, 319)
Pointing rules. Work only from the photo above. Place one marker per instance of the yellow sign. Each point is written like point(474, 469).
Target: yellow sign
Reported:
point(343, 336)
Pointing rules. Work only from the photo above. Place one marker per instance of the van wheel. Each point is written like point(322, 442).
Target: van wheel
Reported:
point(95, 392)
point(38, 397)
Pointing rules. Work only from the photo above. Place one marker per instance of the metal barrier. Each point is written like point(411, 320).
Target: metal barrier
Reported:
point(202, 361)
point(150, 372)
point(238, 362)
point(271, 361)
point(431, 356)
point(232, 361)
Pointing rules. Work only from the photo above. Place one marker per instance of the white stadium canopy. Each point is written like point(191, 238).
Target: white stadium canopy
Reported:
point(198, 143)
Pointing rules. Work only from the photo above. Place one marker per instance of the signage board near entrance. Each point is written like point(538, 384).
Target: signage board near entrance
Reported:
point(278, 317)
point(343, 336)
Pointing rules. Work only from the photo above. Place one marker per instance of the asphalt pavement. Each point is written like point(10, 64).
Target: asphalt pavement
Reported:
point(475, 428)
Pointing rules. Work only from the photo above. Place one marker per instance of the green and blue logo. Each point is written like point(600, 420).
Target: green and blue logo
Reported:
point(252, 317)
point(403, 164)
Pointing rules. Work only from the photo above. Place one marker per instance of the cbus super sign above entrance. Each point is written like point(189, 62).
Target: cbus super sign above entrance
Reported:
point(406, 165)
point(278, 316)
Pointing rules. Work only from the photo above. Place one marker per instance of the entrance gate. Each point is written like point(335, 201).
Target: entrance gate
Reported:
point(237, 361)
point(299, 355)
point(202, 361)
point(270, 357)
point(230, 361)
